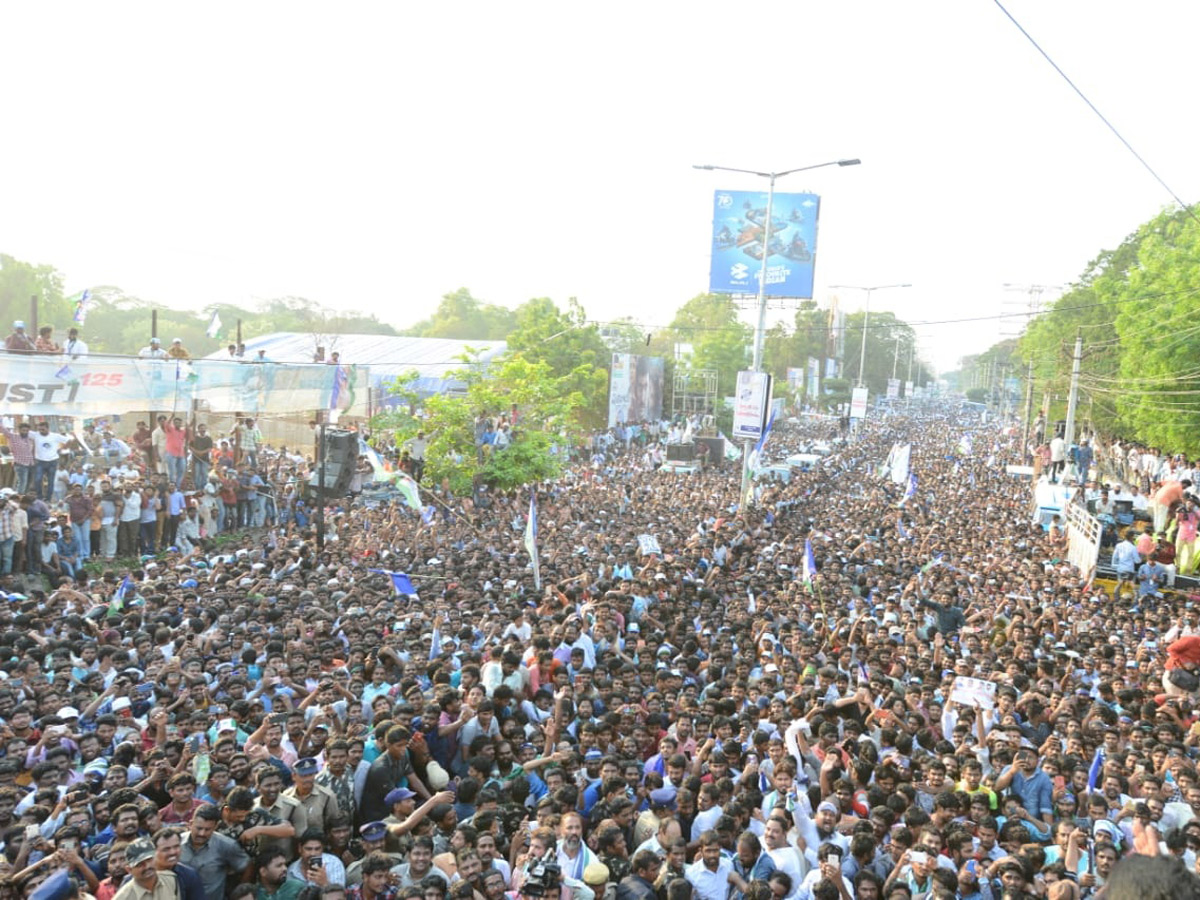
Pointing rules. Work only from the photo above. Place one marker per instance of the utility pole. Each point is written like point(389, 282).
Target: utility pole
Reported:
point(1073, 399)
point(322, 418)
point(1028, 408)
point(896, 357)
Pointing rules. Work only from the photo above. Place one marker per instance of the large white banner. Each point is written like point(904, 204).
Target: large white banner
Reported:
point(102, 386)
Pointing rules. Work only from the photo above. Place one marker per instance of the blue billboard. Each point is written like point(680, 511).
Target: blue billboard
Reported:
point(739, 220)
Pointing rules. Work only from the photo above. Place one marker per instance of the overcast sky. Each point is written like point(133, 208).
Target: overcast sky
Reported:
point(377, 155)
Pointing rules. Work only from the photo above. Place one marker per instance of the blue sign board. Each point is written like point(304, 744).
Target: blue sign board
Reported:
point(739, 219)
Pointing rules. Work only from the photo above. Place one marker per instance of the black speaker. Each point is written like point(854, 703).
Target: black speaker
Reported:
point(681, 452)
point(341, 459)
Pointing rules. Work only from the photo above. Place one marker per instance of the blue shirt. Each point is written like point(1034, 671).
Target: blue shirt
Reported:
point(1125, 558)
point(1036, 792)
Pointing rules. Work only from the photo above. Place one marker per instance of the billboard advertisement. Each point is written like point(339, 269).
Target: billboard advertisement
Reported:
point(795, 379)
point(750, 403)
point(635, 388)
point(739, 223)
point(893, 388)
point(814, 376)
point(831, 368)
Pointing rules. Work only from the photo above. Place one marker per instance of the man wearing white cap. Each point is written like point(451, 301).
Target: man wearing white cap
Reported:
point(153, 350)
point(19, 341)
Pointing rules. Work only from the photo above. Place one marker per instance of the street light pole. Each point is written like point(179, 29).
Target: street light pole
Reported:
point(761, 328)
point(862, 353)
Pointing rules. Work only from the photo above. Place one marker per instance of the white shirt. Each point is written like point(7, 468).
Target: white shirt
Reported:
point(705, 821)
point(810, 881)
point(46, 446)
point(793, 862)
point(75, 349)
point(709, 885)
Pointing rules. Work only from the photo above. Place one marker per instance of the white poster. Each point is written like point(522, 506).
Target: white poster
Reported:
point(648, 544)
point(893, 388)
point(858, 403)
point(750, 403)
point(969, 690)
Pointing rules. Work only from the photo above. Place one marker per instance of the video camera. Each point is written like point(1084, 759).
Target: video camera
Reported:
point(543, 877)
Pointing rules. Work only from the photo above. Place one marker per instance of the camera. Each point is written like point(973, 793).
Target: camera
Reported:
point(543, 878)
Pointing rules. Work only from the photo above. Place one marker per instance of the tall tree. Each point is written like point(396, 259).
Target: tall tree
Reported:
point(464, 317)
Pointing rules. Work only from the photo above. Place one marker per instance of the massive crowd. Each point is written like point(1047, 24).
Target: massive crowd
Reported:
point(945, 709)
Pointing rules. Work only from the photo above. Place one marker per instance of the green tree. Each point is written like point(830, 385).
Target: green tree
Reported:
point(466, 318)
point(719, 340)
point(21, 280)
point(889, 342)
point(546, 412)
point(570, 346)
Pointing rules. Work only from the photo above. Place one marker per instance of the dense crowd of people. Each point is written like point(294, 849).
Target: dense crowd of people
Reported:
point(933, 703)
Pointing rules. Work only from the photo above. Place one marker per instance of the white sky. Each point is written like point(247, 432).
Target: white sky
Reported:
point(377, 155)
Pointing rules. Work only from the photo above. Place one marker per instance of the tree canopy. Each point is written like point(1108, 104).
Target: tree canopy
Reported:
point(1135, 307)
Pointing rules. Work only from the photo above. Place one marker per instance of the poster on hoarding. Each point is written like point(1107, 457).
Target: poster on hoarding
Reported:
point(635, 389)
point(795, 379)
point(893, 388)
point(739, 227)
point(751, 401)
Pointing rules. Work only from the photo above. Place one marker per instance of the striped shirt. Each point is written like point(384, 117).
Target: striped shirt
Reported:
point(21, 446)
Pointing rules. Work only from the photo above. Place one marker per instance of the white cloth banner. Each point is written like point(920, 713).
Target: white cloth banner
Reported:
point(103, 386)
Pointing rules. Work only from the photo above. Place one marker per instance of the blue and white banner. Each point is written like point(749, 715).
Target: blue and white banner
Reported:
point(739, 223)
point(108, 386)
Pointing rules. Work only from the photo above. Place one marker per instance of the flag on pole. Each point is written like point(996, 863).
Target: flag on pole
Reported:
point(214, 326)
point(400, 582)
point(809, 568)
point(82, 300)
point(932, 564)
point(531, 540)
point(64, 373)
point(756, 453)
point(408, 490)
point(1096, 769)
point(435, 645)
point(124, 589)
point(911, 491)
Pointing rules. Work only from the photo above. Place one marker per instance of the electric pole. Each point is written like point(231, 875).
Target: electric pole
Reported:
point(1073, 399)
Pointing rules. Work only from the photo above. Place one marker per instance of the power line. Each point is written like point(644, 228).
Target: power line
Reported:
point(887, 326)
point(1100, 115)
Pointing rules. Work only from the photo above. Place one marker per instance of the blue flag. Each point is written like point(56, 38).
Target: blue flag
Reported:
point(810, 565)
point(435, 646)
point(124, 589)
point(912, 487)
point(1096, 769)
point(401, 583)
point(531, 538)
